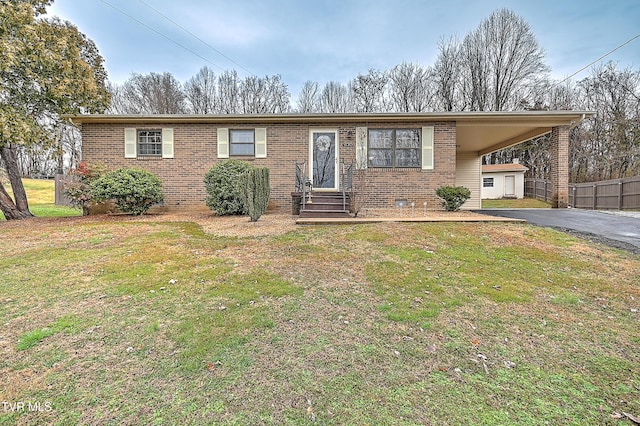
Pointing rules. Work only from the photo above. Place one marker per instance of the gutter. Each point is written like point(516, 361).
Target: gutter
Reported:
point(468, 118)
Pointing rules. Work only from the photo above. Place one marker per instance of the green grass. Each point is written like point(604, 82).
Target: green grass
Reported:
point(139, 322)
point(41, 198)
point(32, 338)
point(522, 203)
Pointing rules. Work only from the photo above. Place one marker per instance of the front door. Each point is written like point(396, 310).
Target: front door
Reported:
point(510, 186)
point(323, 156)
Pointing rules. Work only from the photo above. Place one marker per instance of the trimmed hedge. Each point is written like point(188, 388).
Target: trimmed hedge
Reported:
point(453, 197)
point(133, 190)
point(221, 183)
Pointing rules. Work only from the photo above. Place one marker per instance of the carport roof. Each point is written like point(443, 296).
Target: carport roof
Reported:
point(477, 132)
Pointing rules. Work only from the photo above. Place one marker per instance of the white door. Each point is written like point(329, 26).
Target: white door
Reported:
point(510, 186)
point(323, 157)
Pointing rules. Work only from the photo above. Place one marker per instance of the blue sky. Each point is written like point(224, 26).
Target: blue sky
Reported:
point(334, 40)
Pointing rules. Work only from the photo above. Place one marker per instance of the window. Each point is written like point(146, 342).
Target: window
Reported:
point(394, 148)
point(245, 142)
point(150, 143)
point(241, 142)
point(487, 182)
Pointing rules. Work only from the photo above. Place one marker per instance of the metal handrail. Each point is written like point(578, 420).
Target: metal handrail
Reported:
point(299, 183)
point(346, 182)
point(303, 184)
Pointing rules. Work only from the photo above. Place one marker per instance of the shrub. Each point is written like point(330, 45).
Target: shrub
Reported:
point(133, 190)
point(453, 197)
point(255, 190)
point(78, 190)
point(223, 193)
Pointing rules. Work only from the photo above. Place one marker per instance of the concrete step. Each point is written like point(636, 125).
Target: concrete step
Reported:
point(324, 214)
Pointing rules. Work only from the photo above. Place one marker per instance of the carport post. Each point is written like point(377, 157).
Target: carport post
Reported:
point(559, 167)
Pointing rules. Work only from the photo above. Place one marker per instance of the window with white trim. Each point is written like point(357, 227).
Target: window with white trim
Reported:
point(394, 148)
point(149, 143)
point(487, 182)
point(242, 142)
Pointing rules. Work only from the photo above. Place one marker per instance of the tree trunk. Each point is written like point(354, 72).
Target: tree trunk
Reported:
point(20, 208)
point(9, 208)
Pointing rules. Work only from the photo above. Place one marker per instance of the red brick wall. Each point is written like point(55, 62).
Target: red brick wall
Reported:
point(559, 173)
point(380, 187)
point(195, 153)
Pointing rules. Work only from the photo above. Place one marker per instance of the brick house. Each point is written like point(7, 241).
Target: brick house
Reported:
point(399, 156)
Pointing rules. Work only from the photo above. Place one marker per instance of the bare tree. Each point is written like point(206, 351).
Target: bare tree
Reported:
point(476, 72)
point(309, 98)
point(200, 91)
point(278, 96)
point(500, 56)
point(614, 135)
point(69, 143)
point(446, 74)
point(335, 98)
point(118, 103)
point(267, 95)
point(228, 93)
point(409, 89)
point(545, 94)
point(253, 96)
point(368, 91)
point(151, 94)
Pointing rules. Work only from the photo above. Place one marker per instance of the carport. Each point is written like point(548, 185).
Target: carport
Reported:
point(479, 134)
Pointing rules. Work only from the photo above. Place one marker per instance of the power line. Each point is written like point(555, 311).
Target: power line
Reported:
point(194, 36)
point(162, 35)
point(599, 59)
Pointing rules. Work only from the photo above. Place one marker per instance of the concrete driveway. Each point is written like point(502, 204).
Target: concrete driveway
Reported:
point(617, 229)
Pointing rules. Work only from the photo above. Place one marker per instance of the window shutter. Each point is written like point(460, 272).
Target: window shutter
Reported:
point(223, 143)
point(261, 142)
point(167, 143)
point(427, 148)
point(130, 148)
point(361, 148)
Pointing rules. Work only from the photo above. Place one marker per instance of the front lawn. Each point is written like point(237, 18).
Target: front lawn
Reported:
point(41, 198)
point(123, 320)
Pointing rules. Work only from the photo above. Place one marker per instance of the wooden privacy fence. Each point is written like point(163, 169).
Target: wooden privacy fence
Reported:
point(537, 188)
point(60, 181)
point(615, 194)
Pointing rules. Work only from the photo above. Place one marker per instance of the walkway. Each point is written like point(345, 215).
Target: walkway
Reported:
point(399, 216)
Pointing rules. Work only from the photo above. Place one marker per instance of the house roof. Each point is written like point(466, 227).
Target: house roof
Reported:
point(510, 167)
point(478, 132)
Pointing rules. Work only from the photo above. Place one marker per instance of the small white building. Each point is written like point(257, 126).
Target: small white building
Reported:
point(503, 180)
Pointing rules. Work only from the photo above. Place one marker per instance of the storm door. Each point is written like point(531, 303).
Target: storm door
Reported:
point(323, 155)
